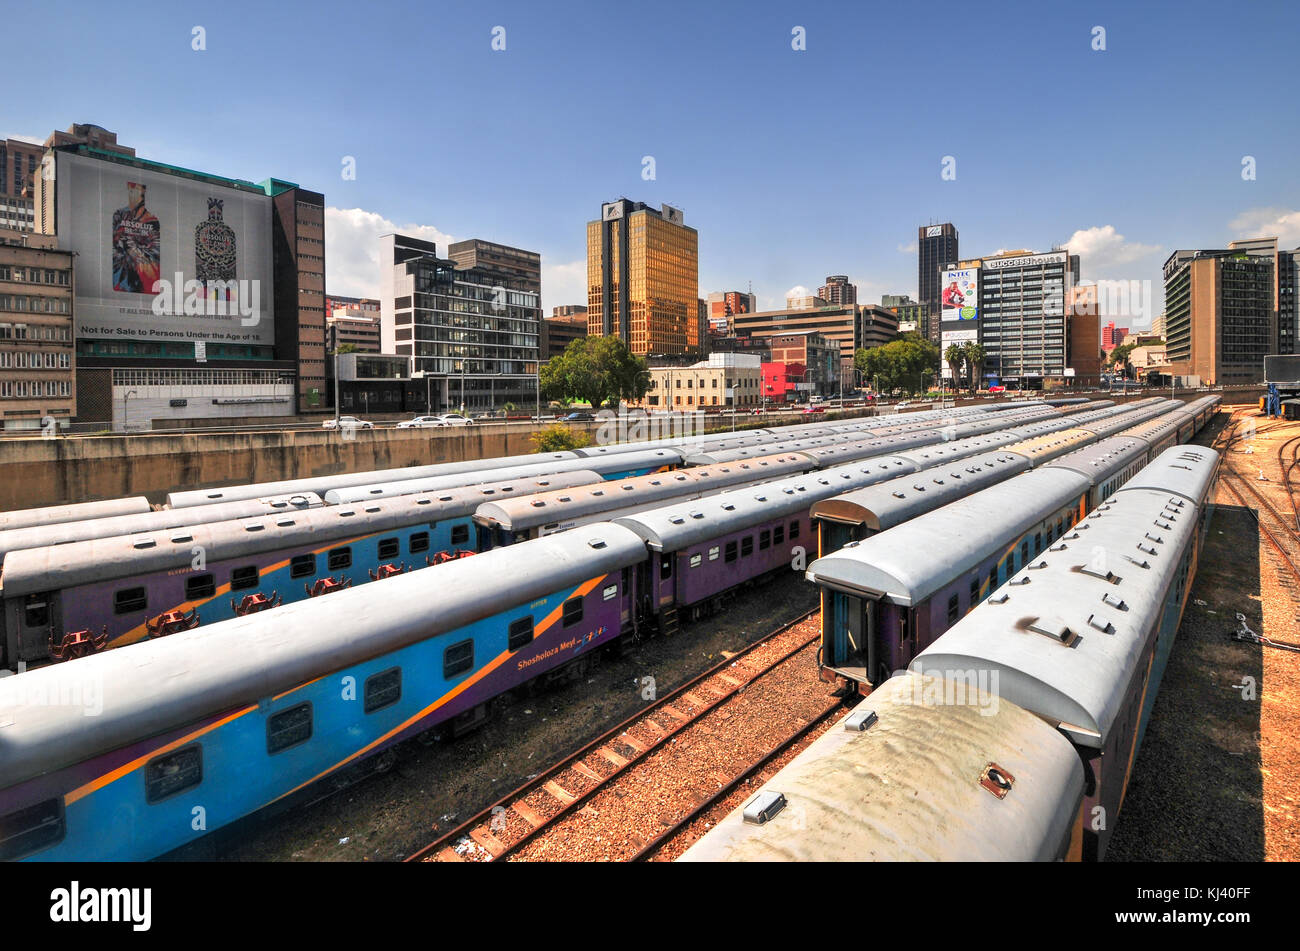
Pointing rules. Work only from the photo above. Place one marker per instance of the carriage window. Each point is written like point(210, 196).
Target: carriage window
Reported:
point(903, 632)
point(610, 592)
point(382, 690)
point(1024, 552)
point(459, 534)
point(389, 548)
point(340, 558)
point(520, 633)
point(730, 556)
point(993, 578)
point(128, 600)
point(747, 546)
point(794, 530)
point(974, 591)
point(1038, 542)
point(302, 566)
point(200, 586)
point(764, 539)
point(572, 612)
point(953, 610)
point(778, 535)
point(696, 560)
point(167, 775)
point(713, 553)
point(419, 542)
point(288, 728)
point(457, 659)
point(36, 610)
point(245, 577)
point(665, 567)
point(31, 829)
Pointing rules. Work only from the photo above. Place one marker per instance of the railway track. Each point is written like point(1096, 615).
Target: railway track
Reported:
point(1280, 530)
point(522, 820)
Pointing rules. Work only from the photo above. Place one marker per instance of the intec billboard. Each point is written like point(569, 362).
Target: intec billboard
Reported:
point(960, 294)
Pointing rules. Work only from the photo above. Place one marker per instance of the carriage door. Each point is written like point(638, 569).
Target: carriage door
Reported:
point(847, 633)
point(35, 625)
point(665, 588)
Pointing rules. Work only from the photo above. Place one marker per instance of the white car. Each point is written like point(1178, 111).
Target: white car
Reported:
point(347, 422)
point(421, 422)
point(455, 419)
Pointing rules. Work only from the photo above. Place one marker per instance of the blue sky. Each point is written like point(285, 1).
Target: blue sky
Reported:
point(792, 164)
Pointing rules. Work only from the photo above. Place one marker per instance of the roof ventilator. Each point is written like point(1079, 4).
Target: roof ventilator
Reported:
point(763, 807)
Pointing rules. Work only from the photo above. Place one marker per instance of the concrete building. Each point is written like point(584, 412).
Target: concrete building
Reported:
point(1083, 338)
point(1221, 312)
point(724, 380)
point(912, 315)
point(643, 278)
point(19, 161)
point(936, 245)
point(358, 330)
point(565, 325)
point(802, 365)
point(1158, 325)
point(37, 357)
point(806, 302)
point(1021, 317)
point(522, 269)
point(472, 332)
point(724, 305)
point(851, 327)
point(200, 298)
point(1112, 336)
point(838, 290)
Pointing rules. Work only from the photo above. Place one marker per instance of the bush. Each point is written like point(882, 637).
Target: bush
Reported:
point(559, 438)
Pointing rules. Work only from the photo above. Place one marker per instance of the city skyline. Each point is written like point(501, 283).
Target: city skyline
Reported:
point(780, 208)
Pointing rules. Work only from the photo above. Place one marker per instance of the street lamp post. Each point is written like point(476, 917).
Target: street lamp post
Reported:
point(126, 416)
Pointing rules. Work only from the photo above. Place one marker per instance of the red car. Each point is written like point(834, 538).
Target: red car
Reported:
point(808, 410)
point(997, 389)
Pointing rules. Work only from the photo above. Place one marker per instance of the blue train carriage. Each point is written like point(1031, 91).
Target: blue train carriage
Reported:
point(66, 601)
point(702, 550)
point(922, 770)
point(65, 532)
point(621, 466)
point(168, 739)
point(507, 521)
point(1075, 637)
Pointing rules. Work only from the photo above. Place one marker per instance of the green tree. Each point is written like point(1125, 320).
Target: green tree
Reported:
point(595, 370)
point(1118, 359)
point(955, 357)
point(973, 356)
point(559, 438)
point(346, 348)
point(906, 363)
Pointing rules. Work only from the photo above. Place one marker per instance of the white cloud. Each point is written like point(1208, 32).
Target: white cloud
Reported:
point(910, 248)
point(797, 291)
point(1267, 223)
point(352, 248)
point(563, 284)
point(1105, 254)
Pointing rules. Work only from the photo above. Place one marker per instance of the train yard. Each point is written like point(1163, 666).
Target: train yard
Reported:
point(638, 747)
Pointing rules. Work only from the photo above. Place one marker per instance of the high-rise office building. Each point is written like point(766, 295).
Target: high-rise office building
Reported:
point(838, 290)
point(19, 161)
point(936, 247)
point(473, 331)
point(37, 360)
point(643, 278)
point(1221, 311)
point(726, 304)
point(522, 268)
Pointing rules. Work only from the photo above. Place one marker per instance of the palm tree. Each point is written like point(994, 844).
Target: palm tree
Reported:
point(973, 355)
point(954, 357)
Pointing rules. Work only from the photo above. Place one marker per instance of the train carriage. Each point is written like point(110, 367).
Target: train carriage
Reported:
point(333, 684)
point(922, 770)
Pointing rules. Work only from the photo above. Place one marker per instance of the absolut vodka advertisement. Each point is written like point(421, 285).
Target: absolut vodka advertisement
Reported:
point(164, 258)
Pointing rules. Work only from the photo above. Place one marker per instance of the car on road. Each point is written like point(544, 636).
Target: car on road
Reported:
point(347, 422)
point(421, 422)
point(579, 418)
point(809, 410)
point(455, 419)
